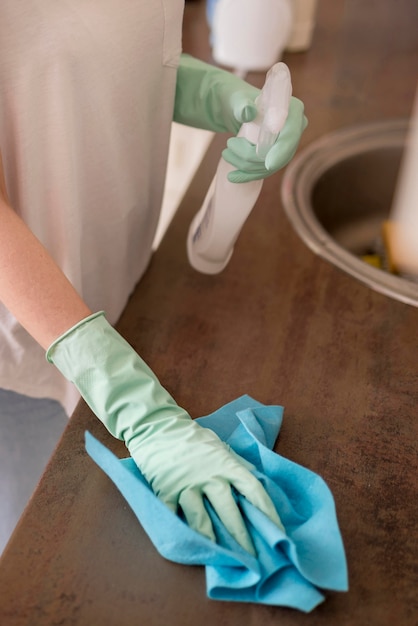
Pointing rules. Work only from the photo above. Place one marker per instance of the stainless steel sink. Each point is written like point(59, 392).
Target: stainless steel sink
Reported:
point(338, 192)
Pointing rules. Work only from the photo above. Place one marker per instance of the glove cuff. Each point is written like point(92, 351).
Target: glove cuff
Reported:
point(112, 378)
point(54, 344)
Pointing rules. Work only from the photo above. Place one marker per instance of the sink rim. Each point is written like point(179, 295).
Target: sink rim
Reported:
point(300, 178)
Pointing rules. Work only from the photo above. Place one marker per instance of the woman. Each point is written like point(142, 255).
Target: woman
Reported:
point(88, 91)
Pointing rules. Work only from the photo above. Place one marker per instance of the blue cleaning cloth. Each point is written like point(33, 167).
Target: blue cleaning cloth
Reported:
point(290, 569)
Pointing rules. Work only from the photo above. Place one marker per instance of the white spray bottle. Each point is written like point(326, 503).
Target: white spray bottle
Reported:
point(216, 226)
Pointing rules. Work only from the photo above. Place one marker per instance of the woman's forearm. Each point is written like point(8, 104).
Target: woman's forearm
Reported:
point(32, 287)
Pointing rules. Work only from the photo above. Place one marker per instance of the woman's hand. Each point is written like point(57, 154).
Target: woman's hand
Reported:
point(184, 463)
point(242, 154)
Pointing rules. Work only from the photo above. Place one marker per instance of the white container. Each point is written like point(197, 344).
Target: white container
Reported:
point(250, 35)
point(403, 223)
point(215, 228)
point(304, 20)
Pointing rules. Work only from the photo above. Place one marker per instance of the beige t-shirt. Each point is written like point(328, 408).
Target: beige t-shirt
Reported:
point(86, 104)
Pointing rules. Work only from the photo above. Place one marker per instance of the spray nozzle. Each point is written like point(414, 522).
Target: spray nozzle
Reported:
point(273, 106)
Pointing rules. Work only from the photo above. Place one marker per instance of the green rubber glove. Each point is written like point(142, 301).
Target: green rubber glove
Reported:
point(182, 461)
point(210, 98)
point(214, 99)
point(249, 166)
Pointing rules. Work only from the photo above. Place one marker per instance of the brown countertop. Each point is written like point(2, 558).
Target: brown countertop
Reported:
point(283, 326)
